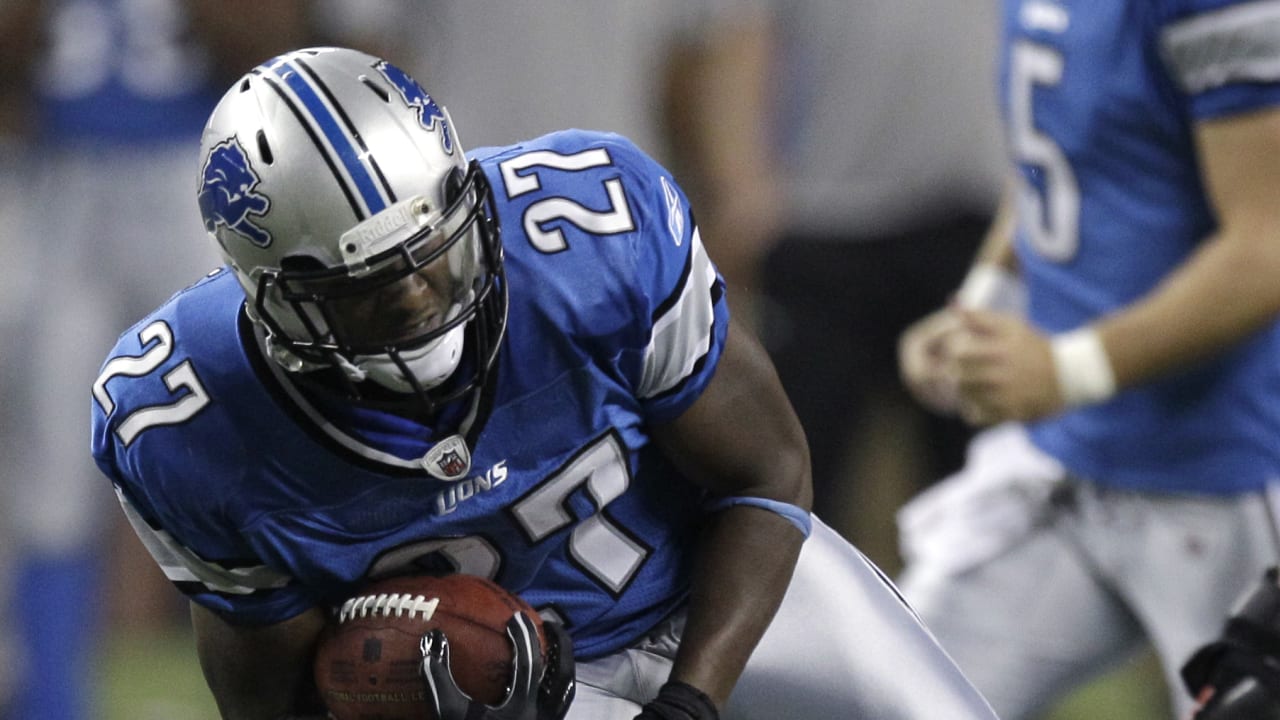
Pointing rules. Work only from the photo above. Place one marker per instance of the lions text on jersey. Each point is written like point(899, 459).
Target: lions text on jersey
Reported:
point(260, 500)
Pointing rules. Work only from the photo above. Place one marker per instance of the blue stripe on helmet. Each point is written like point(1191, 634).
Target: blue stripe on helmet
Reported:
point(333, 132)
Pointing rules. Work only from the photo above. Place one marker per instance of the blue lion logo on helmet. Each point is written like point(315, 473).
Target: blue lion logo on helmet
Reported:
point(227, 196)
point(429, 114)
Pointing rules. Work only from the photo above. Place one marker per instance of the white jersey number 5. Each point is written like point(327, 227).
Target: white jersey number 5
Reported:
point(1051, 216)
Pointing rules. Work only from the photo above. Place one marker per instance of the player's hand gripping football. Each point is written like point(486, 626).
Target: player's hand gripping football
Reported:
point(539, 691)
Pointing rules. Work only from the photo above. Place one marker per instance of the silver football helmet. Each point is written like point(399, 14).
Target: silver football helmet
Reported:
point(338, 192)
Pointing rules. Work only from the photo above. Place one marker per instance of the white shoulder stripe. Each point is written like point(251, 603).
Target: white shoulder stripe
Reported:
point(181, 565)
point(1237, 44)
point(682, 335)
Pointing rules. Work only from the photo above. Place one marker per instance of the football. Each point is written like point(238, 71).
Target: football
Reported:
point(367, 663)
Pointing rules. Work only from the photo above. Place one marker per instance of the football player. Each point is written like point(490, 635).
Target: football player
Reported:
point(1141, 223)
point(516, 363)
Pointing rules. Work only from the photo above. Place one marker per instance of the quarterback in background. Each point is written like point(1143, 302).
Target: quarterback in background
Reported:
point(518, 365)
point(1132, 506)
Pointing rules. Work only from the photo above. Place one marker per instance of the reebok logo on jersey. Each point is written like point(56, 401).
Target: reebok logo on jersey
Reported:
point(227, 195)
point(448, 500)
point(675, 212)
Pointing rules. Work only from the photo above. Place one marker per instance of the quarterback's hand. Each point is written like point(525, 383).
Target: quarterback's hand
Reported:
point(922, 360)
point(679, 701)
point(1003, 368)
point(538, 691)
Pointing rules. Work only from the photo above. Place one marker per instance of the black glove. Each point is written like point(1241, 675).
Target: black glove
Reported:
point(1238, 675)
point(679, 701)
point(537, 692)
point(1233, 682)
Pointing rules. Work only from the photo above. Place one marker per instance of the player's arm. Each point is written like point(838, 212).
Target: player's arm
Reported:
point(740, 438)
point(1228, 288)
point(258, 672)
point(992, 283)
point(996, 250)
point(1224, 291)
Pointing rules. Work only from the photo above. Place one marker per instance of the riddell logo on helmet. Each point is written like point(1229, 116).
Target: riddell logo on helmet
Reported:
point(227, 196)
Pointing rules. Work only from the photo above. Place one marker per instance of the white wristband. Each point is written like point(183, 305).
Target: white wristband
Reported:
point(989, 286)
point(1084, 372)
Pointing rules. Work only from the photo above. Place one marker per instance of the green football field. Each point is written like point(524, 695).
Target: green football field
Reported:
point(154, 676)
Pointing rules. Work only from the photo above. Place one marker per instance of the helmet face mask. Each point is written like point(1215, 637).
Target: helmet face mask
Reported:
point(397, 298)
point(337, 191)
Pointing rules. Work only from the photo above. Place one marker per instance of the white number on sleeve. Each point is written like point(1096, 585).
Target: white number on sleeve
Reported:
point(520, 176)
point(183, 377)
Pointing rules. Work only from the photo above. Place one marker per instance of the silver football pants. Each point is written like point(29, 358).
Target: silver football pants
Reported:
point(843, 645)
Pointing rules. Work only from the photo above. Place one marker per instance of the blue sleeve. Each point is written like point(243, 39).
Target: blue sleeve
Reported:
point(179, 496)
point(678, 289)
point(1224, 54)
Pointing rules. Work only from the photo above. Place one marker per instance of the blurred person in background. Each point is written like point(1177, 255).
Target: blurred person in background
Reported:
point(847, 156)
point(1142, 221)
point(554, 64)
point(103, 102)
point(16, 49)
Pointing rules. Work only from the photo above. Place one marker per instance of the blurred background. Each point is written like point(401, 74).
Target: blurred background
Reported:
point(844, 159)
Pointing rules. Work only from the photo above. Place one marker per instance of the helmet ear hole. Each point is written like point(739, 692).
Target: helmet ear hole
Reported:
point(264, 149)
point(376, 88)
point(300, 263)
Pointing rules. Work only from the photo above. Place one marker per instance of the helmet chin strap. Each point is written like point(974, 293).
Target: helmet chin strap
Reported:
point(430, 365)
point(280, 354)
point(348, 368)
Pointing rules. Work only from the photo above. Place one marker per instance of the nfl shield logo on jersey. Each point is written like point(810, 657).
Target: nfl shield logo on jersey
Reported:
point(450, 459)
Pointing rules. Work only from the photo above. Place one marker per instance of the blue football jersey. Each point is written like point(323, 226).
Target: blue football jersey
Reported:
point(1100, 99)
point(259, 503)
point(122, 71)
